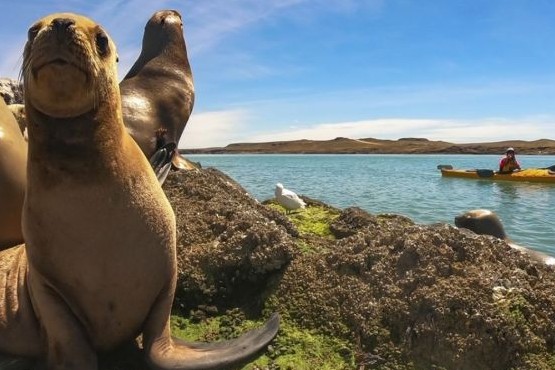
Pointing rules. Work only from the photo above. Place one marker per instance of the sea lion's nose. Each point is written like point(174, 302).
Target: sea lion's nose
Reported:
point(60, 24)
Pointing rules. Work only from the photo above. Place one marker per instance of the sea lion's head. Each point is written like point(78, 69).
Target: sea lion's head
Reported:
point(163, 36)
point(483, 222)
point(69, 62)
point(163, 29)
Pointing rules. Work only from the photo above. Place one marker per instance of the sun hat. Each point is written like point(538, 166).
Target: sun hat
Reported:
point(509, 150)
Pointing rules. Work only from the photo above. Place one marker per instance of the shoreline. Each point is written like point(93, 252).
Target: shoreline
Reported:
point(192, 152)
point(378, 146)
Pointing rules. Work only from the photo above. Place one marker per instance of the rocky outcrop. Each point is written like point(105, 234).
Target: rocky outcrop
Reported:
point(229, 245)
point(406, 296)
point(11, 91)
point(352, 221)
point(428, 296)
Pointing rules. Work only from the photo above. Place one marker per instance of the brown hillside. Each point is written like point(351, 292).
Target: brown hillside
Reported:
point(342, 145)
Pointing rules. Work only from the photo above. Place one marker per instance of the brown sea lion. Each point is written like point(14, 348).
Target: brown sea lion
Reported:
point(13, 168)
point(158, 93)
point(18, 110)
point(99, 264)
point(486, 222)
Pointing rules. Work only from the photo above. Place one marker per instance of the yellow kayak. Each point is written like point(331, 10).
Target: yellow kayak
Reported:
point(530, 174)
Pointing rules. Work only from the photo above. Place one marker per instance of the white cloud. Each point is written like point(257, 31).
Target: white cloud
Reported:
point(210, 129)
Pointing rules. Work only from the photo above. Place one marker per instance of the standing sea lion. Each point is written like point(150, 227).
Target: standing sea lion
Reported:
point(158, 93)
point(99, 264)
point(486, 222)
point(13, 168)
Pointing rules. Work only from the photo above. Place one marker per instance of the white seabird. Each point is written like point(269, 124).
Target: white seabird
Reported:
point(288, 199)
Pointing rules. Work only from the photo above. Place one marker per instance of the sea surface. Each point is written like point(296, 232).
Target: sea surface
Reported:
point(409, 185)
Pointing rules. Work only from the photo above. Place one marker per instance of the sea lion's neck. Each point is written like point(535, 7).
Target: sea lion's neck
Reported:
point(74, 144)
point(155, 53)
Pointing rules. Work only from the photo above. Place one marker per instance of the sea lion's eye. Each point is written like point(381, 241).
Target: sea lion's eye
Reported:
point(33, 32)
point(102, 43)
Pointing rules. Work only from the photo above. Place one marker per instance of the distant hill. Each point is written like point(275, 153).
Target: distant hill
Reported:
point(342, 145)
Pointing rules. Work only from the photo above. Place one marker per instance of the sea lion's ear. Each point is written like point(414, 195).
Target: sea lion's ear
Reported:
point(117, 58)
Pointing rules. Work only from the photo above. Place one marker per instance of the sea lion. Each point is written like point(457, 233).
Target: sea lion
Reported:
point(18, 111)
point(158, 93)
point(13, 167)
point(486, 222)
point(99, 264)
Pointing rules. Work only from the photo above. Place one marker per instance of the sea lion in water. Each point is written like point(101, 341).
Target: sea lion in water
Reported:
point(486, 222)
point(158, 93)
point(99, 264)
point(13, 168)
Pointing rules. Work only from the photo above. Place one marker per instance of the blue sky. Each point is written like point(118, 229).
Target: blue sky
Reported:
point(266, 70)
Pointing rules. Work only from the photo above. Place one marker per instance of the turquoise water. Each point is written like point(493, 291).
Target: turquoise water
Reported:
point(403, 184)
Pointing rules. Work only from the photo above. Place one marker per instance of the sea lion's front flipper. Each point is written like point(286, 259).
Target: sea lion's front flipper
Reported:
point(172, 353)
point(161, 161)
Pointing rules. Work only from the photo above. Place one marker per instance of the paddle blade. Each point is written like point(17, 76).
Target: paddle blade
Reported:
point(444, 167)
point(484, 173)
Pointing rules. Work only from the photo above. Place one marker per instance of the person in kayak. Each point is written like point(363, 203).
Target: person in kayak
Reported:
point(509, 163)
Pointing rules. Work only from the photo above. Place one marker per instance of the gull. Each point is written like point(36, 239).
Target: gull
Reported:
point(288, 199)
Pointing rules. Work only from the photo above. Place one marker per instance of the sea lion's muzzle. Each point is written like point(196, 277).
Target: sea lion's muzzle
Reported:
point(63, 28)
point(62, 24)
point(59, 47)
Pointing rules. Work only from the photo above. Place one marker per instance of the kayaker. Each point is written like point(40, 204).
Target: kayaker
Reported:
point(509, 163)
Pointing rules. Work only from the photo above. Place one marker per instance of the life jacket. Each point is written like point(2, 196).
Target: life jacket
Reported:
point(508, 164)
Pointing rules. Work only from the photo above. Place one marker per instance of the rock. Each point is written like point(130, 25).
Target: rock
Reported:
point(351, 221)
point(11, 91)
point(424, 295)
point(229, 245)
point(406, 296)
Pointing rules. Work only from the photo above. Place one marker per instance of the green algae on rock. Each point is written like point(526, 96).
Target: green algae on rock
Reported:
point(294, 348)
point(315, 219)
